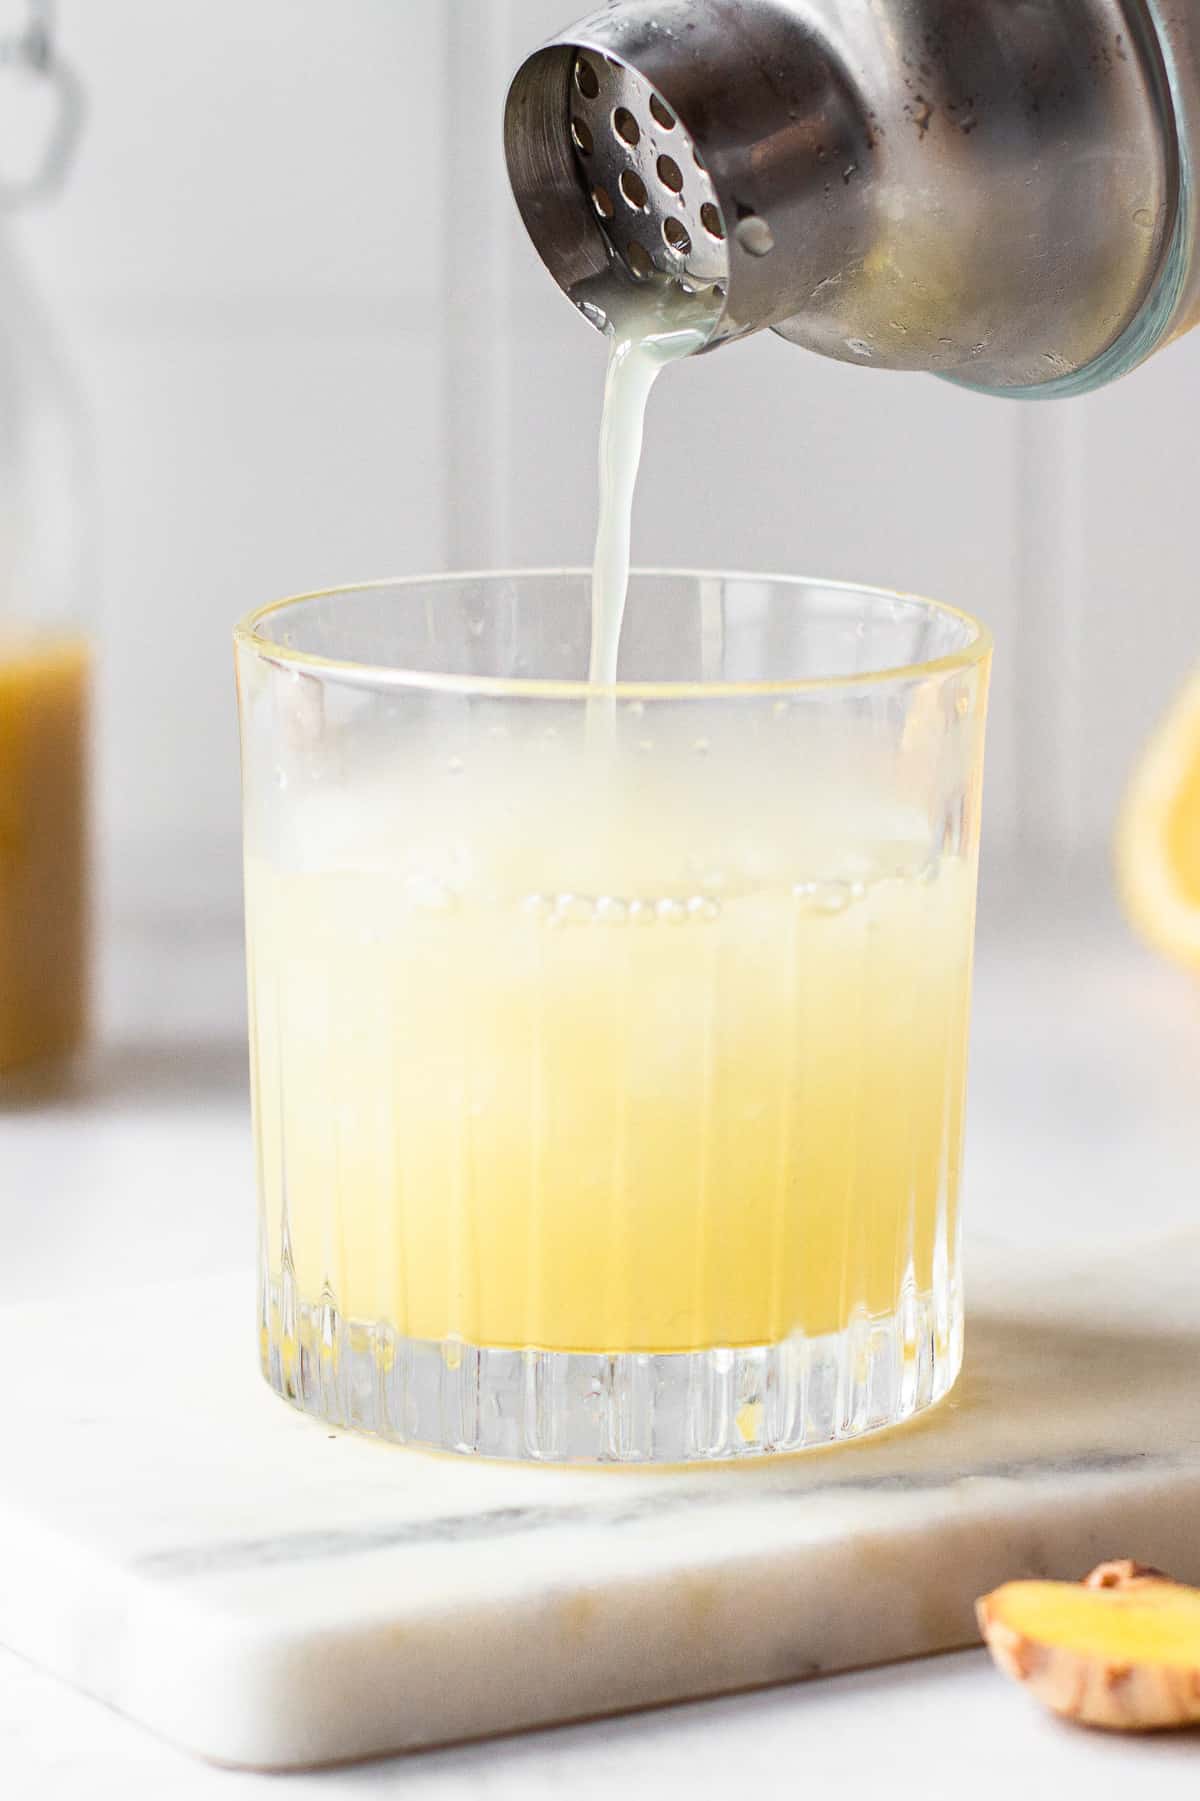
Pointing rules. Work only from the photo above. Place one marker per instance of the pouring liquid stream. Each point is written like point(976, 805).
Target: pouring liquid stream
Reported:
point(652, 326)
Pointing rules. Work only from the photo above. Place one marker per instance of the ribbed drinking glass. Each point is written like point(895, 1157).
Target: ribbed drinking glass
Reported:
point(609, 1046)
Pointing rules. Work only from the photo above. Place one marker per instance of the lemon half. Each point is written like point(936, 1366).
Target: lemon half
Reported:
point(1158, 835)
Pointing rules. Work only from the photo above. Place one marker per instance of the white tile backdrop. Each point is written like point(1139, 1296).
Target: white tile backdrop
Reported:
point(318, 347)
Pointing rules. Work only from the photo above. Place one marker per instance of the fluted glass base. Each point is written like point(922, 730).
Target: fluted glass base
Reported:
point(596, 1407)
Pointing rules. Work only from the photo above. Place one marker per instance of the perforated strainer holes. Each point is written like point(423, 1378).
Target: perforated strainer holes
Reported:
point(640, 263)
point(648, 204)
point(710, 218)
point(676, 237)
point(633, 188)
point(626, 126)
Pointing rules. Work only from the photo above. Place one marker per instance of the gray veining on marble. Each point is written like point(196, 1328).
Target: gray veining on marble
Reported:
point(260, 1590)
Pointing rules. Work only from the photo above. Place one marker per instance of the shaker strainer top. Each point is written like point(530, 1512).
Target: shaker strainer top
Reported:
point(644, 176)
point(891, 184)
point(681, 144)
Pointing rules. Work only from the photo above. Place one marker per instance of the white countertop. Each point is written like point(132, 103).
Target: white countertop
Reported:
point(1084, 1121)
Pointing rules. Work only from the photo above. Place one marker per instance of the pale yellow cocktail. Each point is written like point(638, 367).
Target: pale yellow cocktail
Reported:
point(610, 1123)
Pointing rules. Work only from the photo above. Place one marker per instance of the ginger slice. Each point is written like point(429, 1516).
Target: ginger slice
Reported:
point(1120, 1649)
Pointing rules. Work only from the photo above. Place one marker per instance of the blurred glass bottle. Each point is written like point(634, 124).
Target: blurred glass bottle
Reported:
point(46, 584)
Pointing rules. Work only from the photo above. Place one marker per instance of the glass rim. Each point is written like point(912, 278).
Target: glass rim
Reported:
point(248, 634)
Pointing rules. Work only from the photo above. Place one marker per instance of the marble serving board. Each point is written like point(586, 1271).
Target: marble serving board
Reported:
point(254, 1587)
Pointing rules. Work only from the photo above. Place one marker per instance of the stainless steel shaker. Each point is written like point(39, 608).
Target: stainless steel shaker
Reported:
point(997, 190)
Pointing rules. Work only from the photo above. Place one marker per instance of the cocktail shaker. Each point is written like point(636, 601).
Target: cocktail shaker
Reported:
point(1000, 191)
